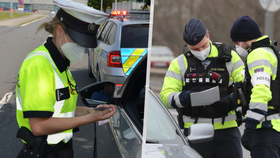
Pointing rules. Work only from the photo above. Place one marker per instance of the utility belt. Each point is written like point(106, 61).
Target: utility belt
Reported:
point(37, 146)
point(53, 148)
point(229, 117)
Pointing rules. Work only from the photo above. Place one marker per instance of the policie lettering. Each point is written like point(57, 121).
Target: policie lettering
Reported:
point(263, 78)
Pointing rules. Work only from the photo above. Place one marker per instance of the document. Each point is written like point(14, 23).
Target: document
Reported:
point(205, 97)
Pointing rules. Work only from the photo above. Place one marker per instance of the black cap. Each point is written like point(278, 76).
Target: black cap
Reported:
point(194, 32)
point(245, 29)
point(81, 32)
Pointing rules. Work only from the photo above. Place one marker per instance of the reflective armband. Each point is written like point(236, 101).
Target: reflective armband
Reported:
point(261, 78)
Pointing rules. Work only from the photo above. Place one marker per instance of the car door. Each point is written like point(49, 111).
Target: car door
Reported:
point(118, 137)
point(99, 50)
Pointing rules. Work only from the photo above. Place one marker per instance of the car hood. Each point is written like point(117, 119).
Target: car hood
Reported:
point(170, 151)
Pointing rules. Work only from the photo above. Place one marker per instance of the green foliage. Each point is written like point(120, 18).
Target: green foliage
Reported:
point(107, 4)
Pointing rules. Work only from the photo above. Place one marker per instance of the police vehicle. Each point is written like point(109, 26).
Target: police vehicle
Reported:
point(122, 41)
point(122, 135)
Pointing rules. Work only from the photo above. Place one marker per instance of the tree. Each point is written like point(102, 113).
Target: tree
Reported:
point(107, 4)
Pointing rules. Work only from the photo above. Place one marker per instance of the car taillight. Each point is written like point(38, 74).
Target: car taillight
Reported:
point(114, 59)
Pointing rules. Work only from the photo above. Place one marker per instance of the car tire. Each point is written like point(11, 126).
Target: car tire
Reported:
point(89, 65)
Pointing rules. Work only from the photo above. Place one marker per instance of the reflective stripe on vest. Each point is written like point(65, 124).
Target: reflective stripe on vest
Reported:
point(53, 138)
point(230, 117)
point(272, 117)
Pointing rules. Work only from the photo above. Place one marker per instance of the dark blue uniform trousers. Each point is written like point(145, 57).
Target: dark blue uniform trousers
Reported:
point(225, 144)
point(265, 143)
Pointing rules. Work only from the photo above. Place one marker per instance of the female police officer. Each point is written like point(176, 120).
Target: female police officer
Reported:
point(46, 92)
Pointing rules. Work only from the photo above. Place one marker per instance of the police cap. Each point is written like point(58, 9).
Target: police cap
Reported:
point(81, 22)
point(194, 32)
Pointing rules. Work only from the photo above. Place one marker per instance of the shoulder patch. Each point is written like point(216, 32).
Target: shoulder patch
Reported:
point(259, 70)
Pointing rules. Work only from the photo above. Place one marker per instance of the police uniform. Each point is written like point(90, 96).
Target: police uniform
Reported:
point(261, 135)
point(187, 74)
point(45, 86)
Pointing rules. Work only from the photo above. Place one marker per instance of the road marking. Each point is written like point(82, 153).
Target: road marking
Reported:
point(33, 21)
point(5, 99)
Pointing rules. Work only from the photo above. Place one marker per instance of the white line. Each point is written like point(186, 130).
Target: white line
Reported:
point(33, 21)
point(5, 99)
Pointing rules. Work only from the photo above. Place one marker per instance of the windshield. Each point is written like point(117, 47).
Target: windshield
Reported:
point(135, 36)
point(160, 129)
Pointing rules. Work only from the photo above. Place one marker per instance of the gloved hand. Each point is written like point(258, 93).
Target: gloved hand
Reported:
point(246, 138)
point(221, 106)
point(185, 99)
point(251, 123)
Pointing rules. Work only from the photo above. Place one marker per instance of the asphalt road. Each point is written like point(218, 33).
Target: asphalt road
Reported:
point(15, 43)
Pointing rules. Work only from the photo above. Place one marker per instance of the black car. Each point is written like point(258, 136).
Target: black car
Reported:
point(121, 136)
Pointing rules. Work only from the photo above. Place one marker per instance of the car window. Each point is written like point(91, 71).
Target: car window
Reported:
point(105, 31)
point(100, 29)
point(112, 34)
point(126, 137)
point(135, 36)
point(159, 126)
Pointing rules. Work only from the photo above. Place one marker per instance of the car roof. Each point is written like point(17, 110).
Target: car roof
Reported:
point(129, 21)
point(161, 50)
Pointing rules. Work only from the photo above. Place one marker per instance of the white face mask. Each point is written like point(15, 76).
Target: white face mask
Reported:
point(72, 51)
point(241, 51)
point(201, 55)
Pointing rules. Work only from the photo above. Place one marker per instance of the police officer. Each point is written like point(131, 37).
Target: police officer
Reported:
point(262, 133)
point(46, 93)
point(204, 66)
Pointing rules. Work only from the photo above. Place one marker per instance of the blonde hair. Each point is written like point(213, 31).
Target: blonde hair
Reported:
point(50, 26)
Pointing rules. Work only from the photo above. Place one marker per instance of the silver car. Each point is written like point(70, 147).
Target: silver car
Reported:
point(121, 136)
point(121, 43)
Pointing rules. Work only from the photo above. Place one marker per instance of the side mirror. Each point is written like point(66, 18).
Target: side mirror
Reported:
point(97, 93)
point(200, 133)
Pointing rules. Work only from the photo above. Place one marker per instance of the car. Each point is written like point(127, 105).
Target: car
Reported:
point(34, 11)
point(26, 10)
point(122, 41)
point(2, 9)
point(161, 56)
point(52, 13)
point(122, 134)
point(9, 9)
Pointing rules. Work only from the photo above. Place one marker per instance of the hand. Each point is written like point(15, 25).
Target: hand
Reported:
point(221, 106)
point(98, 115)
point(184, 98)
point(251, 123)
point(81, 111)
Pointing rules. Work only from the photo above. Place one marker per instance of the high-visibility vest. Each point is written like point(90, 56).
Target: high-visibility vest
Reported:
point(62, 108)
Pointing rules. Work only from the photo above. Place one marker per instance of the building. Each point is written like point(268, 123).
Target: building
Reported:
point(39, 5)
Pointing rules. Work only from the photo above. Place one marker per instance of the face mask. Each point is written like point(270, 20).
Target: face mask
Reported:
point(72, 51)
point(201, 55)
point(241, 51)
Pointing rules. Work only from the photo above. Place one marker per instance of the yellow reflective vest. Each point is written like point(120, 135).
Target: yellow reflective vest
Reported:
point(174, 82)
point(38, 90)
point(262, 70)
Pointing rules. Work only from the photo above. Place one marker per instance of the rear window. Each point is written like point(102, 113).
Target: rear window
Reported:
point(135, 36)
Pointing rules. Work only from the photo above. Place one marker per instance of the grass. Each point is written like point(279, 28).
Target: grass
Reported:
point(6, 15)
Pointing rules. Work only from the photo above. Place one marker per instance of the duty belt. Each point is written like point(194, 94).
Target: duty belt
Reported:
point(271, 117)
point(230, 117)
